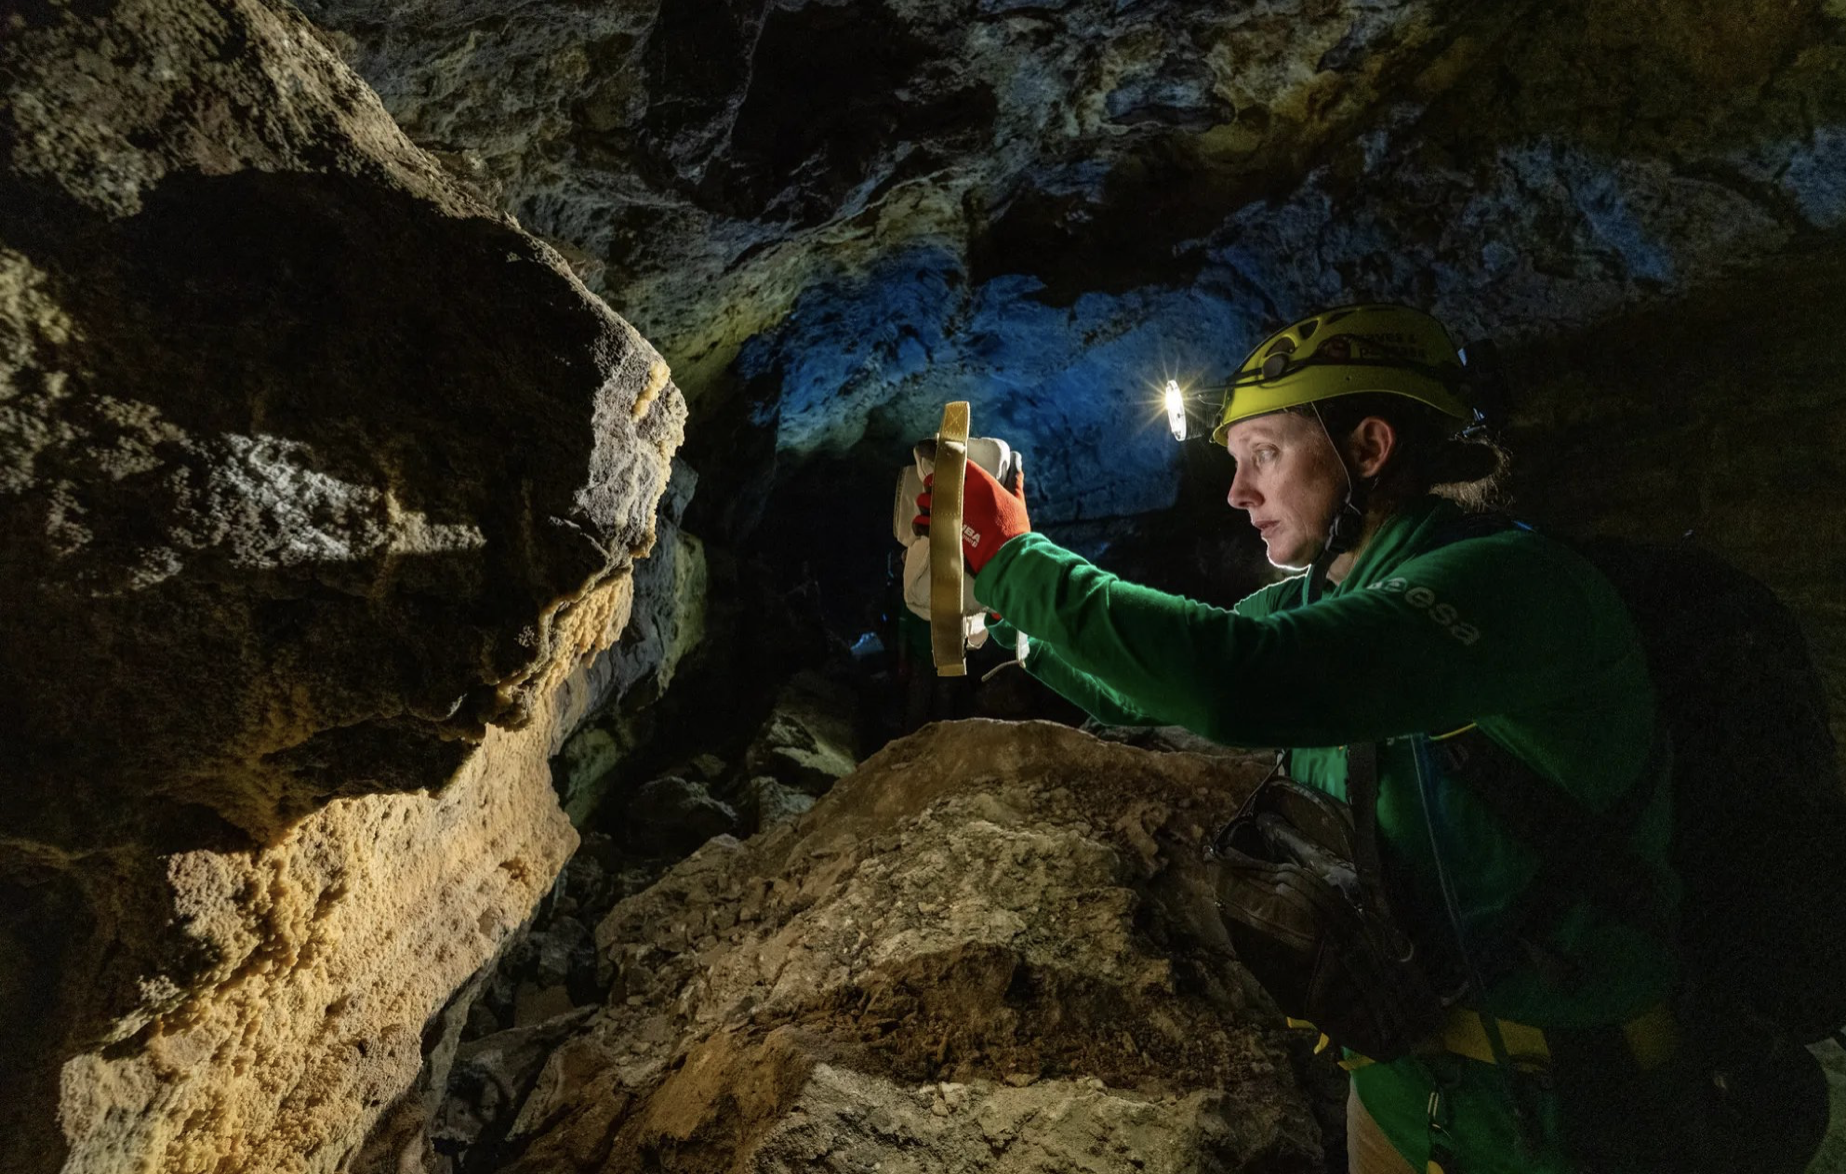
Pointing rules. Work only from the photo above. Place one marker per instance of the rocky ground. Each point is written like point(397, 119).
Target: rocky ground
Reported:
point(990, 947)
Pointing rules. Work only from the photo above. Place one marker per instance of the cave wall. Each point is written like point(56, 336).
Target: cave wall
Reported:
point(1048, 209)
point(321, 483)
point(1590, 160)
point(706, 162)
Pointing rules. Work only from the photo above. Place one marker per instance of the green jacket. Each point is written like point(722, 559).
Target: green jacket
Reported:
point(1512, 631)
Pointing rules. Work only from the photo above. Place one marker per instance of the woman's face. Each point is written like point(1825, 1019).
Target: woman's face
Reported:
point(1289, 482)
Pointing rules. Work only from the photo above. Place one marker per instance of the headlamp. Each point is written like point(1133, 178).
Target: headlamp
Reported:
point(1176, 409)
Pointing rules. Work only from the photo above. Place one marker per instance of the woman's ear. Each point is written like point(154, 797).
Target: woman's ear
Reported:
point(1370, 445)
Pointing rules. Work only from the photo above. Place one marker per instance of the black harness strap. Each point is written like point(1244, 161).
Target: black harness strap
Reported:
point(1362, 802)
point(1584, 855)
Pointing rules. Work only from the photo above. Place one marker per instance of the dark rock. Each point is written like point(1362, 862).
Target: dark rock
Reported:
point(490, 1078)
point(1163, 739)
point(768, 802)
point(534, 1004)
point(671, 816)
point(807, 742)
point(318, 481)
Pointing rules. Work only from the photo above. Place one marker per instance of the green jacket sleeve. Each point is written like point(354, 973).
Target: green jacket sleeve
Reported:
point(1090, 694)
point(1079, 687)
point(1464, 631)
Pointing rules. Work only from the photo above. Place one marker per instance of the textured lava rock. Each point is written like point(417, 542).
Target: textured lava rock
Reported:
point(992, 947)
point(319, 480)
point(618, 686)
point(769, 802)
point(669, 608)
point(675, 814)
point(1045, 206)
point(1049, 208)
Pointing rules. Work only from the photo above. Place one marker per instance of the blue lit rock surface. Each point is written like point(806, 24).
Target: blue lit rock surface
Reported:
point(833, 218)
point(868, 362)
point(1041, 207)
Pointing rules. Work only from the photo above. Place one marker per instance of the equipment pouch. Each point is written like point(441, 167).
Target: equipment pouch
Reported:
point(1313, 931)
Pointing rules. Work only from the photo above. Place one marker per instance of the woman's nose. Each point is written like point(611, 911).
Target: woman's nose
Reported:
point(1241, 496)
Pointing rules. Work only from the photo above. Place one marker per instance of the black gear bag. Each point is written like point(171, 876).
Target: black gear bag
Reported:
point(1303, 898)
point(1759, 810)
point(1758, 822)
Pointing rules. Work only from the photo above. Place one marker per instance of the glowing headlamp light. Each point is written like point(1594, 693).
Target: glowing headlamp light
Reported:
point(1176, 409)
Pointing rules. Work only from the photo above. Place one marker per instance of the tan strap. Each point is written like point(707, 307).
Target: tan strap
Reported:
point(945, 570)
point(1652, 1038)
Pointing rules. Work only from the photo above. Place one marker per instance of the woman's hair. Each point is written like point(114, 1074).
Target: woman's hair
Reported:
point(1428, 458)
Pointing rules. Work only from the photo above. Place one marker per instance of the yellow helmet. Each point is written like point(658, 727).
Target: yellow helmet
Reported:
point(1348, 351)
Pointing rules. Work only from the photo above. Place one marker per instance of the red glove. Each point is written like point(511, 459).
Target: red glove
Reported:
point(990, 514)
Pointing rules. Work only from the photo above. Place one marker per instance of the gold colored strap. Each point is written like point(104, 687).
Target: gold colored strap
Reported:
point(1652, 1038)
point(945, 569)
point(1466, 1035)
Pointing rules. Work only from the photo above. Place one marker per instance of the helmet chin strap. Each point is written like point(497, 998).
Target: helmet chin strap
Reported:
point(1347, 525)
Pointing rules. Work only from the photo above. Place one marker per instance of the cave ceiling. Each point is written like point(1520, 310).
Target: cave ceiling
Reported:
point(832, 217)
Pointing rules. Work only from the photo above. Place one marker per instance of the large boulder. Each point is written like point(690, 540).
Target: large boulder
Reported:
point(319, 481)
point(992, 947)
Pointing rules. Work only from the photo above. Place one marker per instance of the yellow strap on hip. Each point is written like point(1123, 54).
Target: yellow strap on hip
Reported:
point(945, 570)
point(1350, 1063)
point(1652, 1038)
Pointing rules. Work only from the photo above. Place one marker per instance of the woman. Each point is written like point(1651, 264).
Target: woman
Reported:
point(1405, 623)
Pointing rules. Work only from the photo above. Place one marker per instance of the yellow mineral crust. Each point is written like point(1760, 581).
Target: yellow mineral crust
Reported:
point(337, 944)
